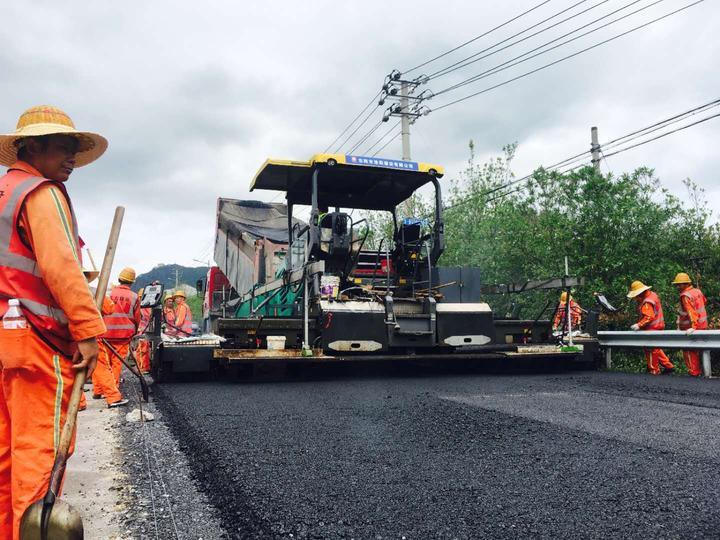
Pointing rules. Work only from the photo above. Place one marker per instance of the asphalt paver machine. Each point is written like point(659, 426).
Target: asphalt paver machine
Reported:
point(336, 291)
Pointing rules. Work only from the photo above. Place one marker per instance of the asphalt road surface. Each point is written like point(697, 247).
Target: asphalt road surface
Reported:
point(448, 455)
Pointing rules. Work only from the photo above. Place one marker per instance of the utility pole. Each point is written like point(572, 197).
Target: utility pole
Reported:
point(407, 104)
point(595, 148)
point(405, 121)
point(177, 278)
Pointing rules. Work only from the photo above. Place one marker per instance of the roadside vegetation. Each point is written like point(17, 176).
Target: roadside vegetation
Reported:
point(613, 228)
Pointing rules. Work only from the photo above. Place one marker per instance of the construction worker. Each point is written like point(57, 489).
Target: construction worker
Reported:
point(142, 350)
point(169, 315)
point(122, 324)
point(651, 318)
point(693, 316)
point(103, 380)
point(183, 315)
point(40, 264)
point(560, 322)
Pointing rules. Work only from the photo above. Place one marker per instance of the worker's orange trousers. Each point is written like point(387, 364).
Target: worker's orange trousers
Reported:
point(103, 378)
point(692, 362)
point(142, 355)
point(35, 388)
point(121, 347)
point(656, 358)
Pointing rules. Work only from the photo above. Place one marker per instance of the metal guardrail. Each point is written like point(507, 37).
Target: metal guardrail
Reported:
point(703, 340)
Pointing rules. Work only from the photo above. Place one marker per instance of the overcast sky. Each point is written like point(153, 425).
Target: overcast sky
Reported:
point(193, 97)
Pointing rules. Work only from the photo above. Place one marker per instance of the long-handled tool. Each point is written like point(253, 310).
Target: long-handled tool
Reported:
point(51, 517)
point(143, 382)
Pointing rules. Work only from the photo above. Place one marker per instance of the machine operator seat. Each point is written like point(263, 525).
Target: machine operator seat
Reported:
point(335, 234)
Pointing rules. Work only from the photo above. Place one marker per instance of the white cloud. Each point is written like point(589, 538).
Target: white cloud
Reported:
point(194, 97)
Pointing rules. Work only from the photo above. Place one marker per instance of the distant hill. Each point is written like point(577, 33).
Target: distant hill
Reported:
point(165, 274)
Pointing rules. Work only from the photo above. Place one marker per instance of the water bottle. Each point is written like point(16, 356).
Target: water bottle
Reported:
point(13, 318)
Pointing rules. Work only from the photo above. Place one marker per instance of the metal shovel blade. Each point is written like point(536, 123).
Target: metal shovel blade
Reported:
point(64, 522)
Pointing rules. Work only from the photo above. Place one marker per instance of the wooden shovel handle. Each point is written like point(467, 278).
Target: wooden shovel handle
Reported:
point(66, 436)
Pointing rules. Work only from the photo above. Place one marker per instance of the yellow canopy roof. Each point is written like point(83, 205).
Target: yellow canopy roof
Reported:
point(347, 181)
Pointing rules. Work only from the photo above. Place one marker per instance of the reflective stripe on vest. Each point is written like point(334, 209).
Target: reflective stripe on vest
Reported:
point(19, 274)
point(697, 300)
point(658, 323)
point(120, 323)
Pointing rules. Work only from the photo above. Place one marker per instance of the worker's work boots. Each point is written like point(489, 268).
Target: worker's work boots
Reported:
point(118, 403)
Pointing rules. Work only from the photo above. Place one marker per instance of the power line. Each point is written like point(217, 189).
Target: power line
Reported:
point(702, 120)
point(577, 53)
point(568, 162)
point(361, 124)
point(387, 143)
point(388, 132)
point(366, 137)
point(464, 62)
point(662, 124)
point(373, 100)
point(511, 63)
point(477, 37)
point(496, 69)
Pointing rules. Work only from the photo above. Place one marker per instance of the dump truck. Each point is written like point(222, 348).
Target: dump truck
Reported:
point(328, 288)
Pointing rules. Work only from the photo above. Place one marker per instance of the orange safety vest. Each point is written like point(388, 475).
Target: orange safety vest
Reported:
point(19, 274)
point(658, 323)
point(697, 300)
point(183, 320)
point(575, 315)
point(121, 322)
point(145, 316)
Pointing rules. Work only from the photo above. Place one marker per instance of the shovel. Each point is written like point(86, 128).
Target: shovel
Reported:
point(143, 382)
point(50, 517)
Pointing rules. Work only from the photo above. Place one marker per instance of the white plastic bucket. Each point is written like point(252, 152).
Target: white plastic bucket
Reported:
point(275, 343)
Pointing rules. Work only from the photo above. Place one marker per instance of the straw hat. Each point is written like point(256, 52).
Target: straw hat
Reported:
point(637, 288)
point(47, 120)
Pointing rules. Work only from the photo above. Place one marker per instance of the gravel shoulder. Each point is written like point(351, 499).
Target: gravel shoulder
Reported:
point(160, 498)
point(93, 477)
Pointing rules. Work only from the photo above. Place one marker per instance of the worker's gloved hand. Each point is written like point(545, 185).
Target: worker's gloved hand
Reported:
point(689, 331)
point(635, 327)
point(86, 355)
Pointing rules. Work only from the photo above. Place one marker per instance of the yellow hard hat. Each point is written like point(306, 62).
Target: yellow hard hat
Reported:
point(563, 297)
point(637, 288)
point(682, 277)
point(48, 120)
point(167, 297)
point(127, 275)
point(179, 292)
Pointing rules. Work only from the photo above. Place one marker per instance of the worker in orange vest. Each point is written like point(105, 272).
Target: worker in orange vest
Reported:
point(183, 315)
point(103, 380)
point(142, 350)
point(122, 323)
point(40, 265)
point(560, 322)
point(651, 318)
point(693, 316)
point(169, 315)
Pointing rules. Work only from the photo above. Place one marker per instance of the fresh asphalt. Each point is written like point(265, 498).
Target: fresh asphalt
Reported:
point(411, 453)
